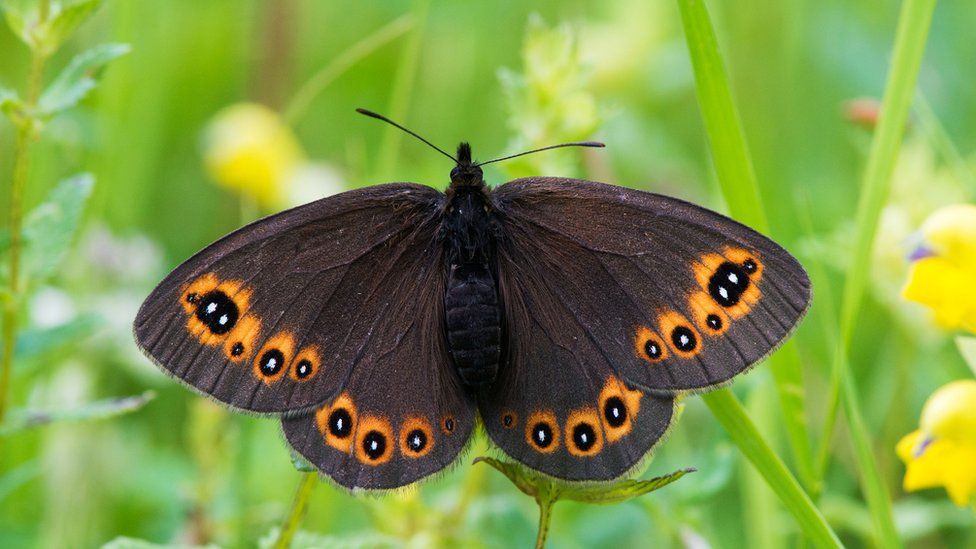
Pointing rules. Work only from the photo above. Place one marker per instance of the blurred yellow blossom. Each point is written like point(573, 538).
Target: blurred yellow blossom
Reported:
point(943, 272)
point(248, 148)
point(942, 452)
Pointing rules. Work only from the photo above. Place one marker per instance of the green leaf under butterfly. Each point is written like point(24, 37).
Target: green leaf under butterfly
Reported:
point(967, 348)
point(50, 228)
point(533, 484)
point(20, 420)
point(299, 463)
point(133, 543)
point(44, 33)
point(78, 79)
point(547, 492)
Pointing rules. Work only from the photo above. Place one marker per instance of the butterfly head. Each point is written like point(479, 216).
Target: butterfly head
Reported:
point(466, 173)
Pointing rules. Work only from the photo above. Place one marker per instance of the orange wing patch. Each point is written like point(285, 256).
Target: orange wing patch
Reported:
point(681, 336)
point(649, 346)
point(584, 437)
point(374, 440)
point(306, 364)
point(619, 406)
point(416, 437)
point(271, 361)
point(542, 431)
point(709, 316)
point(240, 342)
point(337, 423)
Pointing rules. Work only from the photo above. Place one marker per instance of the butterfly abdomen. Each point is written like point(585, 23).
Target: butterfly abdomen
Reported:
point(473, 323)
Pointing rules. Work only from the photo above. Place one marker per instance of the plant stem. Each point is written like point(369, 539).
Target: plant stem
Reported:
point(26, 133)
point(546, 502)
point(297, 512)
point(910, 39)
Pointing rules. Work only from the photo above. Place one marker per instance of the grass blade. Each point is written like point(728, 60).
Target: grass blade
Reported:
point(913, 28)
point(738, 182)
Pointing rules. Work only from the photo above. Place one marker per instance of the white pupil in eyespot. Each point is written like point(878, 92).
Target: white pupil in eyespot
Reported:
point(211, 307)
point(733, 278)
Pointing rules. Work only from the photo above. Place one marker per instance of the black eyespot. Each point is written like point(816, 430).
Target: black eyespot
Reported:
point(728, 283)
point(542, 435)
point(217, 312)
point(507, 420)
point(303, 369)
point(237, 349)
point(272, 361)
point(714, 322)
point(684, 339)
point(191, 298)
point(615, 412)
point(374, 445)
point(416, 440)
point(652, 348)
point(750, 266)
point(584, 436)
point(449, 424)
point(340, 423)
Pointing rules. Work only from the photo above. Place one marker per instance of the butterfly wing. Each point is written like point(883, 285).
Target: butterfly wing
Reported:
point(621, 288)
point(332, 304)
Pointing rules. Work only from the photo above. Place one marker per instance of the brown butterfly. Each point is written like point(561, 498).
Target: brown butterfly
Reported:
point(381, 323)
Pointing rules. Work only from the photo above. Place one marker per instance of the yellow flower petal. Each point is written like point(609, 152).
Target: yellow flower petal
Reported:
point(946, 289)
point(959, 473)
point(943, 451)
point(950, 413)
point(951, 233)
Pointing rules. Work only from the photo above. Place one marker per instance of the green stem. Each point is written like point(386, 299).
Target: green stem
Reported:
point(910, 39)
point(739, 186)
point(729, 412)
point(297, 512)
point(26, 133)
point(299, 104)
point(546, 501)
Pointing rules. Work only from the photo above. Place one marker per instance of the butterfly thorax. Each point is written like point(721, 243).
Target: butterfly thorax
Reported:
point(471, 301)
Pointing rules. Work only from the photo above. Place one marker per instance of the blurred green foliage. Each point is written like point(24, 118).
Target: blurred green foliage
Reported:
point(180, 469)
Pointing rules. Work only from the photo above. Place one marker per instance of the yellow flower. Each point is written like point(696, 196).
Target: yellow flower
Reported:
point(248, 148)
point(943, 451)
point(943, 273)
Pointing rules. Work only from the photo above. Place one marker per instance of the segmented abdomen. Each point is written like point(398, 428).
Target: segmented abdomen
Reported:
point(473, 323)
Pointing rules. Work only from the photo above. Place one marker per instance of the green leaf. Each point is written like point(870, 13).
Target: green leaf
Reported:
point(312, 540)
point(100, 409)
point(622, 490)
point(12, 106)
point(13, 479)
point(78, 78)
point(133, 543)
point(45, 33)
point(300, 464)
point(967, 347)
point(547, 491)
point(50, 228)
point(34, 342)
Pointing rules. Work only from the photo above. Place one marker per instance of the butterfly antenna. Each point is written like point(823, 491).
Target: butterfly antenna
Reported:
point(378, 116)
point(594, 144)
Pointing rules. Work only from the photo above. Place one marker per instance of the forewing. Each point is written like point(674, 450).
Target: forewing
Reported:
point(640, 270)
point(313, 283)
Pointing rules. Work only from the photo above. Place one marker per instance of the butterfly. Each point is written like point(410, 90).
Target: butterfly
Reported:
point(383, 324)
